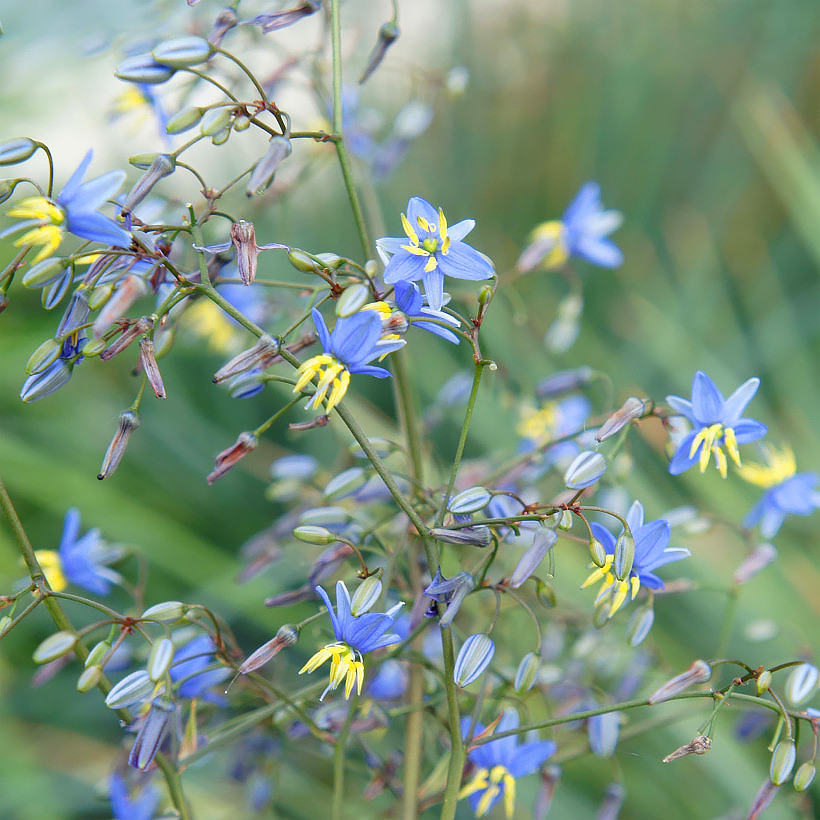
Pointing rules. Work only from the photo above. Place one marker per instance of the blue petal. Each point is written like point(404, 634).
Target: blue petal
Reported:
point(757, 512)
point(71, 529)
point(438, 330)
point(98, 228)
point(669, 556)
point(651, 540)
point(408, 298)
point(602, 252)
point(707, 401)
point(343, 606)
point(458, 231)
point(70, 188)
point(635, 517)
point(503, 749)
point(464, 262)
point(337, 631)
point(404, 266)
point(747, 430)
point(683, 407)
point(354, 337)
point(80, 571)
point(650, 580)
point(606, 538)
point(736, 403)
point(773, 519)
point(90, 195)
point(529, 756)
point(321, 329)
point(421, 207)
point(371, 370)
point(586, 201)
point(434, 287)
point(681, 461)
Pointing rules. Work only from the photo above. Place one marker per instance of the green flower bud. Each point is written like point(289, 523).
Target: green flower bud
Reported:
point(97, 654)
point(469, 501)
point(100, 295)
point(89, 678)
point(185, 119)
point(181, 52)
point(43, 273)
point(301, 261)
point(142, 161)
point(527, 672)
point(261, 177)
point(782, 762)
point(473, 658)
point(353, 298)
point(221, 137)
point(804, 776)
point(95, 347)
point(485, 295)
point(54, 646)
point(585, 470)
point(215, 121)
point(565, 521)
point(763, 682)
point(241, 123)
point(624, 556)
point(597, 552)
point(324, 517)
point(801, 683)
point(478, 536)
point(131, 689)
point(7, 189)
point(17, 150)
point(166, 612)
point(366, 595)
point(160, 657)
point(5, 624)
point(314, 535)
point(345, 483)
point(46, 353)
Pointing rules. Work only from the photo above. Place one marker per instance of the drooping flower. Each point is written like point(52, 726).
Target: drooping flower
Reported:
point(652, 551)
point(79, 561)
point(75, 210)
point(581, 231)
point(356, 635)
point(412, 304)
point(355, 341)
point(500, 763)
point(430, 251)
point(124, 807)
point(717, 424)
point(787, 491)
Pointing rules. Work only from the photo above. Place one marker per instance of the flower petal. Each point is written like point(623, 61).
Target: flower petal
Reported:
point(70, 188)
point(682, 406)
point(747, 430)
point(337, 631)
point(602, 252)
point(707, 401)
point(418, 207)
point(736, 403)
point(464, 262)
point(404, 266)
point(458, 231)
point(681, 461)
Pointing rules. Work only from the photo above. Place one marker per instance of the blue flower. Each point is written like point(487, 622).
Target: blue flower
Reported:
point(581, 231)
point(123, 807)
point(355, 341)
point(79, 561)
point(787, 491)
point(411, 303)
point(356, 635)
point(717, 424)
point(74, 210)
point(191, 668)
point(431, 251)
point(500, 763)
point(652, 551)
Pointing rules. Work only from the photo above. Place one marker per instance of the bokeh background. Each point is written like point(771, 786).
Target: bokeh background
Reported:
point(699, 119)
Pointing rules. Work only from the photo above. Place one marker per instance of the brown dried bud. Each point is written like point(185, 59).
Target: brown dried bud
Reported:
point(286, 636)
point(699, 745)
point(139, 327)
point(149, 365)
point(243, 236)
point(129, 421)
point(243, 445)
point(300, 426)
point(633, 408)
point(698, 672)
point(260, 355)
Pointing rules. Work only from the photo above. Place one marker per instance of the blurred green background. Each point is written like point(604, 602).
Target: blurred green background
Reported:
point(699, 119)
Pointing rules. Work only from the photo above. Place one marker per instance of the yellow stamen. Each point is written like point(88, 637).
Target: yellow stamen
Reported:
point(430, 264)
point(382, 308)
point(598, 572)
point(48, 236)
point(730, 440)
point(619, 597)
point(486, 800)
point(442, 230)
point(635, 583)
point(415, 249)
point(509, 794)
point(49, 561)
point(478, 783)
point(721, 462)
point(423, 223)
point(539, 425)
point(408, 229)
point(559, 252)
point(340, 386)
point(38, 207)
point(779, 466)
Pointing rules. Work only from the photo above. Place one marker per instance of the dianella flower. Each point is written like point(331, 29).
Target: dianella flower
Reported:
point(141, 806)
point(430, 251)
point(717, 425)
point(356, 635)
point(652, 551)
point(500, 763)
point(412, 304)
point(787, 492)
point(355, 341)
point(75, 210)
point(581, 231)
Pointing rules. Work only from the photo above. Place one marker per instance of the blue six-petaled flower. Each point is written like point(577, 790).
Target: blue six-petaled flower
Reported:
point(717, 422)
point(123, 807)
point(652, 551)
point(356, 635)
point(355, 341)
point(430, 251)
point(500, 763)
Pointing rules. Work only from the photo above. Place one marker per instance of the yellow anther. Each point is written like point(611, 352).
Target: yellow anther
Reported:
point(310, 368)
point(552, 233)
point(382, 308)
point(539, 425)
point(415, 249)
point(486, 800)
point(730, 439)
point(423, 223)
point(430, 264)
point(606, 588)
point(208, 321)
point(49, 561)
point(621, 590)
point(635, 583)
point(47, 236)
point(721, 462)
point(509, 795)
point(599, 572)
point(779, 466)
point(442, 225)
point(38, 207)
point(408, 229)
point(340, 386)
point(478, 783)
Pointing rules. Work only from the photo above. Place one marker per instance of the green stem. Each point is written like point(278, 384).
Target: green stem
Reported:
point(339, 761)
point(456, 765)
point(172, 780)
point(733, 596)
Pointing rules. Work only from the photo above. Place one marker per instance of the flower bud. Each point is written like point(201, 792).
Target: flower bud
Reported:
point(782, 762)
point(603, 731)
point(610, 807)
point(45, 355)
point(164, 612)
point(142, 161)
point(325, 517)
point(5, 625)
point(301, 261)
point(564, 381)
point(801, 683)
point(214, 121)
point(639, 625)
point(597, 552)
point(366, 595)
point(221, 136)
point(183, 120)
point(125, 294)
point(54, 646)
point(543, 541)
point(43, 273)
point(225, 21)
point(804, 776)
point(149, 364)
point(473, 658)
point(352, 299)
point(75, 314)
point(182, 52)
point(159, 659)
point(763, 682)
point(16, 150)
point(347, 482)
point(43, 384)
point(151, 734)
point(624, 556)
point(478, 536)
point(314, 535)
point(142, 325)
point(332, 261)
point(263, 172)
point(162, 165)
point(760, 557)
point(128, 422)
point(698, 672)
point(241, 122)
point(469, 501)
point(585, 470)
point(564, 521)
point(97, 654)
point(259, 356)
point(286, 636)
point(765, 795)
point(633, 408)
point(388, 33)
point(143, 68)
point(89, 678)
point(131, 689)
point(245, 442)
point(527, 672)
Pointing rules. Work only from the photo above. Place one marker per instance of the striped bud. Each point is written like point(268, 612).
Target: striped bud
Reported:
point(603, 731)
point(527, 672)
point(804, 776)
point(314, 535)
point(698, 672)
point(54, 646)
point(165, 612)
point(214, 121)
point(565, 521)
point(353, 298)
point(325, 517)
point(633, 408)
point(45, 355)
point(478, 536)
point(159, 659)
point(585, 470)
point(143, 68)
point(263, 172)
point(624, 556)
point(181, 52)
point(129, 421)
point(345, 483)
point(543, 541)
point(43, 273)
point(161, 166)
point(473, 658)
point(469, 501)
point(639, 625)
point(17, 150)
point(763, 682)
point(97, 654)
point(597, 552)
point(301, 261)
point(365, 596)
point(131, 689)
point(89, 678)
point(801, 683)
point(782, 762)
point(183, 120)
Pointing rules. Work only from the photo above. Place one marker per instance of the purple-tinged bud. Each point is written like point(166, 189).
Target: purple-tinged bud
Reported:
point(463, 585)
point(258, 356)
point(633, 408)
point(97, 654)
point(149, 364)
point(469, 501)
point(215, 121)
point(131, 689)
point(366, 595)
point(44, 356)
point(314, 535)
point(302, 426)
point(699, 745)
point(44, 273)
point(603, 731)
point(16, 150)
point(473, 658)
point(165, 612)
point(763, 682)
point(143, 68)
point(782, 762)
point(142, 161)
point(273, 20)
point(759, 558)
point(183, 120)
point(181, 52)
point(543, 541)
point(698, 672)
point(126, 293)
point(151, 734)
point(597, 552)
point(585, 470)
point(128, 422)
point(478, 536)
point(564, 381)
point(352, 299)
point(804, 776)
point(263, 172)
point(287, 635)
point(613, 800)
point(639, 625)
point(159, 659)
point(89, 678)
point(244, 444)
point(225, 21)
point(527, 672)
point(162, 166)
point(801, 683)
point(765, 795)
point(293, 596)
point(624, 556)
point(43, 384)
point(141, 326)
point(388, 34)
point(75, 314)
point(54, 646)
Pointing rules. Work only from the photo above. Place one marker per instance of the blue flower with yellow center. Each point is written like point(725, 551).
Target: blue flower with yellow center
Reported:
point(356, 635)
point(652, 551)
point(430, 251)
point(499, 764)
point(74, 210)
point(717, 424)
point(355, 341)
point(581, 231)
point(787, 491)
